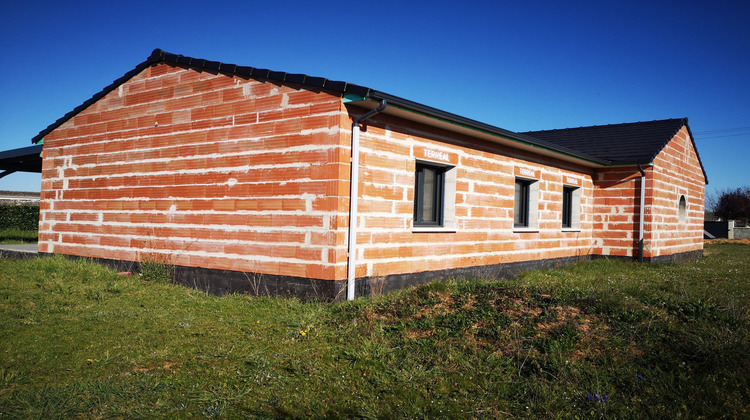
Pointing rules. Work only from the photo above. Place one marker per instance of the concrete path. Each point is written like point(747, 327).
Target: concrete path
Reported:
point(18, 250)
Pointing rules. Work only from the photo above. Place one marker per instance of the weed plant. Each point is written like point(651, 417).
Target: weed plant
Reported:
point(595, 339)
point(161, 272)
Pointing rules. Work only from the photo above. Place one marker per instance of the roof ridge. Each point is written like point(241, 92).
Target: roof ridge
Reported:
point(159, 55)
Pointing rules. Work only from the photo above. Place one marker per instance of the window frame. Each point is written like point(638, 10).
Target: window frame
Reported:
point(567, 206)
point(437, 218)
point(575, 194)
point(682, 209)
point(521, 204)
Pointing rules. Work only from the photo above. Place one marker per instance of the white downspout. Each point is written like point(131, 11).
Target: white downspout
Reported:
point(353, 193)
point(643, 213)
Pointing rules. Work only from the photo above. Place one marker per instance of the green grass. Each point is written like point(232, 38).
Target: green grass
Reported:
point(595, 339)
point(18, 236)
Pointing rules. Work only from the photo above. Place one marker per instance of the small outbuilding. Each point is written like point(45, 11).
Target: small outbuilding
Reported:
point(247, 179)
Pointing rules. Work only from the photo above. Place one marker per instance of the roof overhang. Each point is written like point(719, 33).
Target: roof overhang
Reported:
point(25, 159)
point(412, 111)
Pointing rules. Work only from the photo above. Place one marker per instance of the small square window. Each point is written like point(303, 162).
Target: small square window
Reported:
point(429, 190)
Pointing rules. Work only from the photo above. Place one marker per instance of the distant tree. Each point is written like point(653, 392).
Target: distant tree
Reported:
point(732, 204)
point(712, 201)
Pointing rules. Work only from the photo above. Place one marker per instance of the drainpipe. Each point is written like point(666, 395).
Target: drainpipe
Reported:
point(353, 193)
point(643, 213)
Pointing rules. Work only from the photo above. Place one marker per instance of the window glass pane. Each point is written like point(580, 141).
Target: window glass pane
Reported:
point(520, 209)
point(428, 195)
point(682, 209)
point(567, 205)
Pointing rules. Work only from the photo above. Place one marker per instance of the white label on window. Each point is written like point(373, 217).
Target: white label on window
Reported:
point(571, 181)
point(526, 172)
point(434, 154)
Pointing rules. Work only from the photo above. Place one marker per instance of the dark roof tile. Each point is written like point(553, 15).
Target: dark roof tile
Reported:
point(315, 81)
point(295, 78)
point(184, 60)
point(261, 73)
point(628, 143)
point(276, 75)
point(228, 68)
point(621, 144)
point(334, 85)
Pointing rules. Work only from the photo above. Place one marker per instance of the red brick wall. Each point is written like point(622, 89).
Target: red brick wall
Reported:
point(677, 172)
point(616, 211)
point(199, 169)
point(212, 171)
point(484, 199)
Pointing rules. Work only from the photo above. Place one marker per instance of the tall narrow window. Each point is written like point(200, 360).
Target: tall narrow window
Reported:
point(682, 209)
point(521, 207)
point(428, 195)
point(567, 207)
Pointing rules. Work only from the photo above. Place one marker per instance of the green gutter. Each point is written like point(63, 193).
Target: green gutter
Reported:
point(350, 97)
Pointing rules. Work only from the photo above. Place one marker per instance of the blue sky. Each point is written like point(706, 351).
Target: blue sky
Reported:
point(518, 65)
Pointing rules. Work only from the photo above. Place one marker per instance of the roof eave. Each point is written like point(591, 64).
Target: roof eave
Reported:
point(414, 111)
point(24, 159)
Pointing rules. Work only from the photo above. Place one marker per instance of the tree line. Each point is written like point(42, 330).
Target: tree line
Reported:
point(730, 204)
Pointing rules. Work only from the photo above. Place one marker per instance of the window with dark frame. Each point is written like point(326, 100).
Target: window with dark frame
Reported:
point(567, 207)
point(521, 206)
point(429, 188)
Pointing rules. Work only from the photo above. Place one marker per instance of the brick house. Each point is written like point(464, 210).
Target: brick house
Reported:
point(241, 177)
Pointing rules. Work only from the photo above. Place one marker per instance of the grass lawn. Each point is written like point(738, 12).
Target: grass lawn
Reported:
point(595, 339)
point(18, 236)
